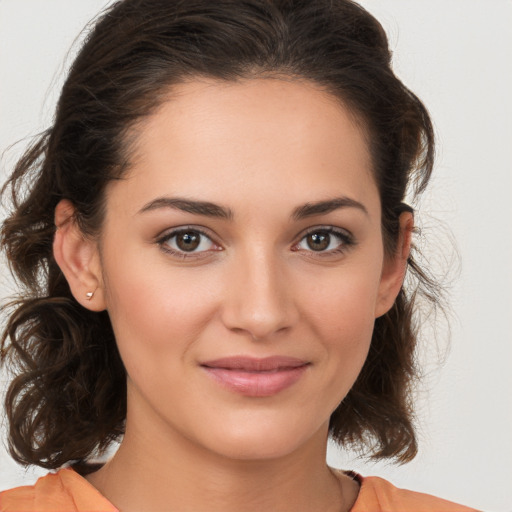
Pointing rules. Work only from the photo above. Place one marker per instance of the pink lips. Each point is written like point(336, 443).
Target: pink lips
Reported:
point(256, 377)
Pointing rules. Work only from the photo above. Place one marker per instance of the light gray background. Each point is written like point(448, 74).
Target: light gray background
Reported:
point(456, 56)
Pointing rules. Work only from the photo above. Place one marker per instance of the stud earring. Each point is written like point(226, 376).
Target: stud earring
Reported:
point(89, 295)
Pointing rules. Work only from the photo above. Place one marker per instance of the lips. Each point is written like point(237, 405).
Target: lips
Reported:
point(254, 376)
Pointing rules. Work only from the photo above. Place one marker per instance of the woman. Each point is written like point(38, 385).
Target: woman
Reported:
point(214, 243)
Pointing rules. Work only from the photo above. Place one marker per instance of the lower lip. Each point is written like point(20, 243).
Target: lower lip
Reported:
point(256, 384)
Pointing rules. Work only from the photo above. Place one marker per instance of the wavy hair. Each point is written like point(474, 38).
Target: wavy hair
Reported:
point(67, 400)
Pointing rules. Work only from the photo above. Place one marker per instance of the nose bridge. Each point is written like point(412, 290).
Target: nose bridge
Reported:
point(259, 300)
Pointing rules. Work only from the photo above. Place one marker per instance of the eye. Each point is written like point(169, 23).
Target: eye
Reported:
point(325, 240)
point(186, 242)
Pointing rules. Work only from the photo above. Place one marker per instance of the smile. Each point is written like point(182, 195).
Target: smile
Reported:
point(256, 377)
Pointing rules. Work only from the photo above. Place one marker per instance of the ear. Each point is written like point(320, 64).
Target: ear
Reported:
point(394, 267)
point(78, 258)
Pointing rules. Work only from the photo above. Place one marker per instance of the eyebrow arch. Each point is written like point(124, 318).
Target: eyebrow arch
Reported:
point(198, 207)
point(209, 209)
point(327, 206)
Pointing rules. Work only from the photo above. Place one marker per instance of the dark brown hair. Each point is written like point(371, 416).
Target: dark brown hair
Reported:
point(68, 398)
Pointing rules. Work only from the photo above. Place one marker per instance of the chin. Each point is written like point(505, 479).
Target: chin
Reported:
point(249, 451)
point(263, 440)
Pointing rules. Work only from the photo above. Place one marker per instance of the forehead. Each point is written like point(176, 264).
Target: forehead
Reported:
point(276, 138)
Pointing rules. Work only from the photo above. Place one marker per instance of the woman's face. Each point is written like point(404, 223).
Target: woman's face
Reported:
point(242, 266)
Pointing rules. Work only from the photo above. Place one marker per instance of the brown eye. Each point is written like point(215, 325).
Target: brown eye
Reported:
point(185, 242)
point(188, 241)
point(318, 241)
point(325, 241)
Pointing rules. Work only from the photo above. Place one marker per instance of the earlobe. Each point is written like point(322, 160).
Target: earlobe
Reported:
point(78, 258)
point(394, 268)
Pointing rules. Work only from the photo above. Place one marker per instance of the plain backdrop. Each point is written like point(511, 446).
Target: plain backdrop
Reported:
point(456, 55)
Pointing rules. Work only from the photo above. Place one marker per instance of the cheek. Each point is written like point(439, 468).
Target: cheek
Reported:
point(343, 302)
point(155, 311)
point(347, 329)
point(342, 314)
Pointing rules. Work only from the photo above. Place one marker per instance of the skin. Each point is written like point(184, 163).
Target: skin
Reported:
point(261, 148)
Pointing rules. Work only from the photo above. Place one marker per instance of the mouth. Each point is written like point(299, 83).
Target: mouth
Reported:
point(256, 377)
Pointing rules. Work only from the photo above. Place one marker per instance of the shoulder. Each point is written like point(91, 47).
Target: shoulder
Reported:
point(65, 490)
point(379, 495)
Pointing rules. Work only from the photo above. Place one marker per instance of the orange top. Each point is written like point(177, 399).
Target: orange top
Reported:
point(67, 491)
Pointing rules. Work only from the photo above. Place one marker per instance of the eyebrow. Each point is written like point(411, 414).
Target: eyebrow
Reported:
point(214, 210)
point(187, 205)
point(327, 206)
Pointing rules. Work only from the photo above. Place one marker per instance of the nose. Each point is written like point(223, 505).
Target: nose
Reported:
point(259, 298)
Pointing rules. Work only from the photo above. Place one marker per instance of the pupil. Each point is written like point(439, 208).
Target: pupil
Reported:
point(318, 241)
point(187, 241)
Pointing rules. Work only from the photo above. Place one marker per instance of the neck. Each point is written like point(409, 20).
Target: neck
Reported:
point(149, 473)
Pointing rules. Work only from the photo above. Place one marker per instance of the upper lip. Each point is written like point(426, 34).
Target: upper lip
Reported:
point(254, 364)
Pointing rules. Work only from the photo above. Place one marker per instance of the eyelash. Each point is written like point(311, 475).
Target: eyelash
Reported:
point(163, 240)
point(346, 241)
